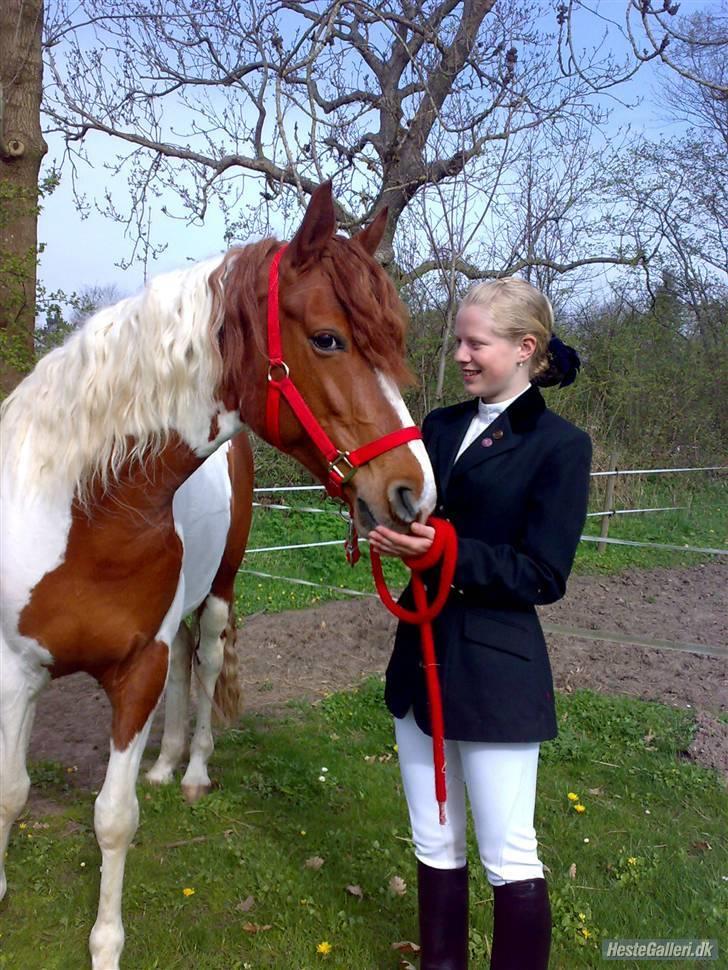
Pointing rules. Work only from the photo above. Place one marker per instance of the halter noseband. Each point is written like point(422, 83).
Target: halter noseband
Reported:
point(342, 465)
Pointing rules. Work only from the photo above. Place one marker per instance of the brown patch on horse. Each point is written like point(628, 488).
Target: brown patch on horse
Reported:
point(134, 687)
point(240, 469)
point(119, 574)
point(227, 698)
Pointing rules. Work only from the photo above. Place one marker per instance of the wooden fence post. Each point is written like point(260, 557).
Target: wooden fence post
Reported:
point(608, 502)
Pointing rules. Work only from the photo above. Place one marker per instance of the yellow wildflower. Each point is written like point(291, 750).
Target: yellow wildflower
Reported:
point(579, 808)
point(582, 916)
point(585, 932)
point(188, 892)
point(632, 860)
point(324, 948)
point(573, 797)
point(23, 825)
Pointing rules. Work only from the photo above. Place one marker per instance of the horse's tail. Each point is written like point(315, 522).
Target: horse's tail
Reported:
point(227, 702)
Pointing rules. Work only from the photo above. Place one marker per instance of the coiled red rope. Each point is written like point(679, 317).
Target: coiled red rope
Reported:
point(442, 552)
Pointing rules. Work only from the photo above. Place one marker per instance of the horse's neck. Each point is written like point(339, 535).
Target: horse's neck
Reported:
point(144, 489)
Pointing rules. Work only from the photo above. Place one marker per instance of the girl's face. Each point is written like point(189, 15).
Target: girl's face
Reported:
point(487, 361)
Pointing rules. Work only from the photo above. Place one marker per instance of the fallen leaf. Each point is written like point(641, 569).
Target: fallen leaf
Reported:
point(256, 927)
point(701, 846)
point(370, 758)
point(595, 791)
point(355, 891)
point(385, 757)
point(245, 905)
point(406, 946)
point(572, 871)
point(397, 885)
point(315, 862)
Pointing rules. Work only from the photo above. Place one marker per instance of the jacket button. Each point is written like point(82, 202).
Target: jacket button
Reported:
point(498, 434)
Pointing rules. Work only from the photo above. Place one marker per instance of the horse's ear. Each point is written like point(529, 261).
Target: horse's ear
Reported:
point(318, 226)
point(372, 235)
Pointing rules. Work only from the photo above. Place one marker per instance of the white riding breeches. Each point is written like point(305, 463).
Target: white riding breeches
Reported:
point(500, 780)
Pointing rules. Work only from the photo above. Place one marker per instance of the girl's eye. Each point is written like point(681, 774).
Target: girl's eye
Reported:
point(327, 342)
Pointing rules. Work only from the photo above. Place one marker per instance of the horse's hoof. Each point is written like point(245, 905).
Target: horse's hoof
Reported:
point(158, 777)
point(193, 793)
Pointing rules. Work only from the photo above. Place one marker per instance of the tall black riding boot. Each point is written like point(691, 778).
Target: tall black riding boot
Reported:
point(443, 904)
point(521, 926)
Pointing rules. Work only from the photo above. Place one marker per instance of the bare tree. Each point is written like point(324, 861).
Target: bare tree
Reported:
point(22, 148)
point(388, 99)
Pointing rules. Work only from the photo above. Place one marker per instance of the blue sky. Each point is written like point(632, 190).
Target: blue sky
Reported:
point(82, 252)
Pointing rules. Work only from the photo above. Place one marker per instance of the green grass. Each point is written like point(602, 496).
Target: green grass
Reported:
point(649, 855)
point(704, 523)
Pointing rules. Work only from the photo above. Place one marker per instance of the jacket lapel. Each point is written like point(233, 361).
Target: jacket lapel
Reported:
point(448, 443)
point(505, 433)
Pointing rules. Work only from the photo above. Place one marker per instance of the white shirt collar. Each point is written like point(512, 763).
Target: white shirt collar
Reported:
point(490, 412)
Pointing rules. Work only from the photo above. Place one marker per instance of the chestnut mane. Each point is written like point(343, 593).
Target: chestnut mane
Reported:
point(364, 290)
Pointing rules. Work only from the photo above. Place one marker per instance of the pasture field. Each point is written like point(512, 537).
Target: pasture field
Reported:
point(301, 857)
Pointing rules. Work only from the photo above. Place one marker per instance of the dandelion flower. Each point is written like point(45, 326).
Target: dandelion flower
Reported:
point(632, 860)
point(582, 916)
point(580, 808)
point(324, 948)
point(573, 797)
point(187, 891)
point(585, 933)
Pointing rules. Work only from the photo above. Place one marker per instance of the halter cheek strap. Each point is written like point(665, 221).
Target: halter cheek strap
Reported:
point(342, 465)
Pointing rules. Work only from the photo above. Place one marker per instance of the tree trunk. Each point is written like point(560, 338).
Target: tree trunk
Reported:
point(22, 148)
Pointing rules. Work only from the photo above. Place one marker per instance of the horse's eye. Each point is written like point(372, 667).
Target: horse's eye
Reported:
point(327, 342)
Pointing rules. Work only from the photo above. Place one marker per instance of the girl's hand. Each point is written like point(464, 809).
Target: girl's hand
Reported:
point(386, 542)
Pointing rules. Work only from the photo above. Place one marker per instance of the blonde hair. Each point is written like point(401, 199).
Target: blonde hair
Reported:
point(518, 310)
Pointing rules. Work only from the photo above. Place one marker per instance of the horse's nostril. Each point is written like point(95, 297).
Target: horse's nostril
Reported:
point(404, 503)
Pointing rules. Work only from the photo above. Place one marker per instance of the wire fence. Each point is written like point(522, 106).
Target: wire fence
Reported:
point(606, 514)
point(603, 540)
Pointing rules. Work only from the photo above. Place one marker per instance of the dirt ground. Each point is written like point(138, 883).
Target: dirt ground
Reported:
point(309, 653)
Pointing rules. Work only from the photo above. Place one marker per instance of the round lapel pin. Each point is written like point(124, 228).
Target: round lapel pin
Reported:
point(486, 442)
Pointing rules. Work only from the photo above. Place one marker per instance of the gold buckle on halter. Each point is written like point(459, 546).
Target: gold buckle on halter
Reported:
point(348, 472)
point(279, 363)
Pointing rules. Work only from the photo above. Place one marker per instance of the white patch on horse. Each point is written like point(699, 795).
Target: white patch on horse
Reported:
point(201, 509)
point(428, 498)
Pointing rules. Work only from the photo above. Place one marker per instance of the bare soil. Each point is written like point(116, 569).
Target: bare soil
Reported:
point(306, 654)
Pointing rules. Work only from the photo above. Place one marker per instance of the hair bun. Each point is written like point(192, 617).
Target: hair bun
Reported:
point(564, 364)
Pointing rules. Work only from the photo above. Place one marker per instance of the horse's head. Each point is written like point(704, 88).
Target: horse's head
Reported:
point(342, 333)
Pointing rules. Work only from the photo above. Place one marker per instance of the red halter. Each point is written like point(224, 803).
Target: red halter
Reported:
point(343, 465)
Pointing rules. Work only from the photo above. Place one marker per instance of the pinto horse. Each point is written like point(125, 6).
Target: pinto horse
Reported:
point(98, 555)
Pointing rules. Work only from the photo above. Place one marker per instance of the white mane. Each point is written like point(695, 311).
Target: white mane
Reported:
point(133, 373)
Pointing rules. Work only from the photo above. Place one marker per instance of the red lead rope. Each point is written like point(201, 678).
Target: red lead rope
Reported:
point(444, 551)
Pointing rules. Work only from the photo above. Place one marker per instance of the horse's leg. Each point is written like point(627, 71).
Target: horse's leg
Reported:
point(216, 651)
point(208, 662)
point(134, 689)
point(19, 689)
point(176, 706)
